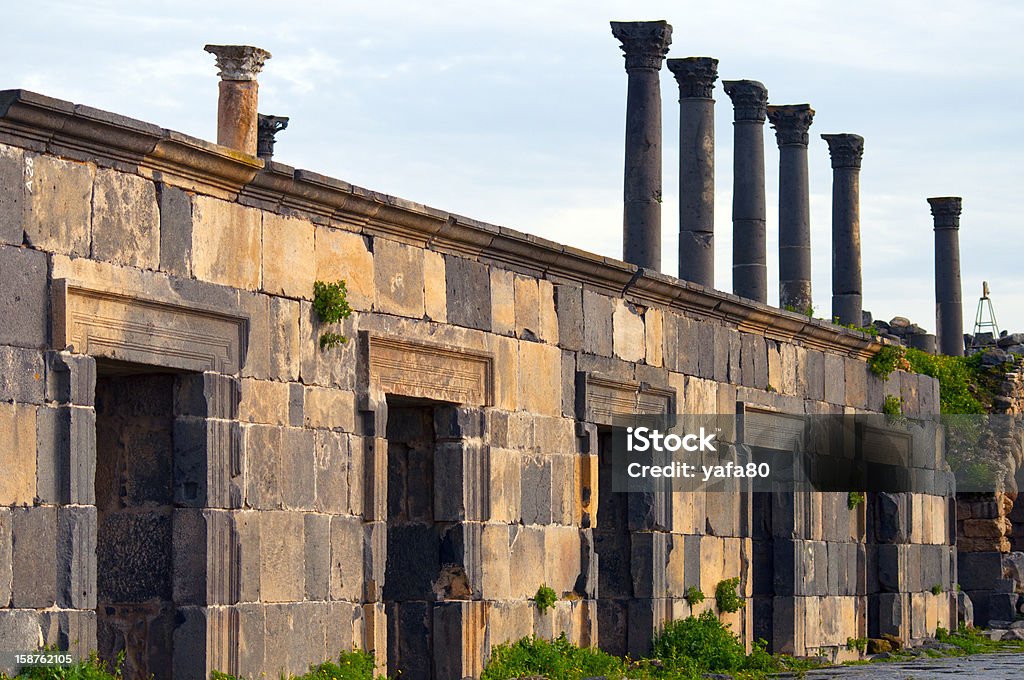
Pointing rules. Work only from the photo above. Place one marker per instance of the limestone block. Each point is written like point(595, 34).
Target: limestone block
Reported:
point(528, 557)
point(468, 293)
point(298, 462)
point(774, 366)
point(811, 374)
point(19, 630)
point(527, 304)
point(12, 195)
point(331, 472)
point(125, 220)
point(284, 339)
point(262, 466)
point(549, 324)
point(506, 371)
point(435, 289)
point(346, 559)
point(76, 557)
point(344, 255)
point(335, 366)
point(59, 195)
point(503, 304)
point(34, 540)
point(835, 379)
point(569, 309)
point(701, 396)
point(598, 329)
point(24, 297)
point(18, 434)
point(22, 376)
point(330, 409)
point(264, 401)
point(563, 491)
point(227, 243)
point(712, 564)
point(175, 208)
point(510, 621)
point(6, 557)
point(289, 263)
point(282, 556)
point(540, 372)
point(317, 556)
point(585, 512)
point(654, 335)
point(856, 376)
point(495, 554)
point(505, 485)
point(788, 369)
point(398, 274)
point(629, 342)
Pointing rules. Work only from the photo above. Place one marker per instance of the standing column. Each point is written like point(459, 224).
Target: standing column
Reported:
point(847, 300)
point(696, 77)
point(949, 312)
point(645, 44)
point(239, 93)
point(791, 124)
point(749, 262)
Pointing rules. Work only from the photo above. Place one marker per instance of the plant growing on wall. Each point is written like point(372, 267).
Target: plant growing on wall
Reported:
point(330, 302)
point(545, 598)
point(694, 596)
point(726, 597)
point(853, 499)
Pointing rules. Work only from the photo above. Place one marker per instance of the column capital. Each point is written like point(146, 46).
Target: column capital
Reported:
point(696, 76)
point(749, 99)
point(791, 123)
point(267, 127)
point(644, 43)
point(846, 150)
point(238, 62)
point(946, 211)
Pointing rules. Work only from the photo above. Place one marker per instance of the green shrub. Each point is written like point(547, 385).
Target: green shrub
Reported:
point(937, 589)
point(760, 660)
point(701, 641)
point(558, 660)
point(860, 644)
point(694, 596)
point(726, 597)
point(853, 499)
point(893, 405)
point(959, 379)
point(330, 302)
point(887, 360)
point(357, 665)
point(545, 598)
point(87, 669)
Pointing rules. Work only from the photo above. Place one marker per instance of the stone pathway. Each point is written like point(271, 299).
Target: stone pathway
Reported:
point(1000, 666)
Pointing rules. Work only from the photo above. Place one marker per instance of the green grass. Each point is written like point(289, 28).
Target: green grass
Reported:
point(87, 669)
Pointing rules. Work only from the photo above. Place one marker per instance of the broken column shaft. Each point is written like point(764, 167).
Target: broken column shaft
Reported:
point(749, 261)
point(791, 123)
point(239, 95)
point(696, 77)
point(645, 44)
point(846, 151)
point(949, 313)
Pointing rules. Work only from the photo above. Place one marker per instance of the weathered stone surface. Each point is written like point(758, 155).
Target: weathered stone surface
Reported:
point(548, 316)
point(317, 556)
point(207, 395)
point(856, 373)
point(282, 557)
point(344, 255)
point(24, 297)
point(503, 301)
point(18, 434)
point(264, 401)
point(19, 630)
point(335, 366)
point(398, 272)
point(298, 461)
point(289, 264)
point(284, 339)
point(263, 466)
point(70, 378)
point(330, 409)
point(175, 207)
point(6, 557)
point(465, 309)
point(125, 220)
point(569, 309)
point(527, 305)
point(76, 562)
point(835, 379)
point(346, 559)
point(540, 371)
point(629, 343)
point(435, 287)
point(34, 532)
point(226, 243)
point(978, 570)
point(597, 323)
point(536, 491)
point(12, 194)
point(22, 376)
point(59, 195)
point(527, 561)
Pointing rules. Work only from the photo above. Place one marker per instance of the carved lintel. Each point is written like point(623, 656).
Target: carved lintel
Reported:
point(645, 43)
point(749, 100)
point(696, 76)
point(845, 149)
point(946, 211)
point(117, 325)
point(413, 369)
point(238, 62)
point(267, 129)
point(791, 123)
point(605, 398)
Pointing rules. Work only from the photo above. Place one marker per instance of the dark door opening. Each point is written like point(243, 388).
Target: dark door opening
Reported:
point(414, 539)
point(613, 546)
point(135, 504)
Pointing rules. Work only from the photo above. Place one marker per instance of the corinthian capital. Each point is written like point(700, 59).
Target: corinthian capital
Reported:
point(645, 43)
point(696, 76)
point(238, 62)
point(946, 211)
point(846, 150)
point(791, 123)
point(749, 99)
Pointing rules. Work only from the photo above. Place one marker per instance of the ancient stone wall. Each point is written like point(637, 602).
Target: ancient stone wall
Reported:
point(128, 250)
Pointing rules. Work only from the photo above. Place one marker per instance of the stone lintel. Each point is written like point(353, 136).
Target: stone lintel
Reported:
point(644, 43)
point(749, 100)
point(238, 62)
point(791, 123)
point(696, 76)
point(846, 149)
point(946, 211)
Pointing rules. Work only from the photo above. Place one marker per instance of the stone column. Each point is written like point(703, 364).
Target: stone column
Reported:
point(267, 129)
point(645, 44)
point(791, 124)
point(847, 300)
point(749, 262)
point(696, 77)
point(239, 93)
point(949, 313)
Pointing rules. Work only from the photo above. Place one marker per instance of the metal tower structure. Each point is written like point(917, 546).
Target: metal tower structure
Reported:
point(985, 319)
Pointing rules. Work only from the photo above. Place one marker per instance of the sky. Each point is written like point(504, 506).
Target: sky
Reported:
point(513, 112)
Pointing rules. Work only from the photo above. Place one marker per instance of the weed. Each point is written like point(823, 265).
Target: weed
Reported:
point(694, 596)
point(330, 302)
point(545, 598)
point(558, 660)
point(854, 498)
point(726, 597)
point(893, 405)
point(937, 589)
point(702, 641)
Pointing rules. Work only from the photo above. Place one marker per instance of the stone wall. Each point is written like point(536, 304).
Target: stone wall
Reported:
point(126, 249)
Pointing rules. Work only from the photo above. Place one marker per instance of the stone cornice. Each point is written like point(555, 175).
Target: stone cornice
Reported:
point(644, 43)
point(696, 76)
point(791, 123)
point(51, 126)
point(846, 150)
